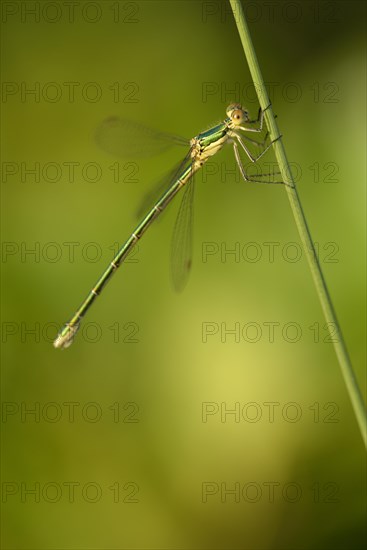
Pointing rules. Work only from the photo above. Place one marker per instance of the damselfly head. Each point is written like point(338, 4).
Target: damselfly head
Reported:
point(237, 113)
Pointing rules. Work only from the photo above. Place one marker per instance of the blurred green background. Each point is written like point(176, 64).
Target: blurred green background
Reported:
point(132, 443)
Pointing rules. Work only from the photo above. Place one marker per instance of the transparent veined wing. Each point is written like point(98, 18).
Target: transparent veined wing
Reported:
point(125, 138)
point(181, 248)
point(160, 186)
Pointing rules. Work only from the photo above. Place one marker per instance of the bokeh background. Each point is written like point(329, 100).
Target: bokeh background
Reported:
point(132, 443)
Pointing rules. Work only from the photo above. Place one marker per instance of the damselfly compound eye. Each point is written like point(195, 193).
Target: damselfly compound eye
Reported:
point(237, 116)
point(233, 107)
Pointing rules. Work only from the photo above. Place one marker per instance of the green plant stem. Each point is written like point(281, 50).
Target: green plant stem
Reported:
point(304, 232)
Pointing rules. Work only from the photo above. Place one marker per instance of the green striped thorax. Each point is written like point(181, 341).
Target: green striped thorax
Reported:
point(208, 143)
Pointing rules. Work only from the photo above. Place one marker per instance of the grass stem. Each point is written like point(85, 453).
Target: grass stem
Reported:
point(299, 216)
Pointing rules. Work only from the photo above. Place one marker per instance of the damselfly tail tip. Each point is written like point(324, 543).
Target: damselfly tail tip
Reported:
point(65, 337)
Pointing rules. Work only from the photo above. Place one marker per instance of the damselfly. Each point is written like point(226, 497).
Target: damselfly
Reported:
point(119, 136)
